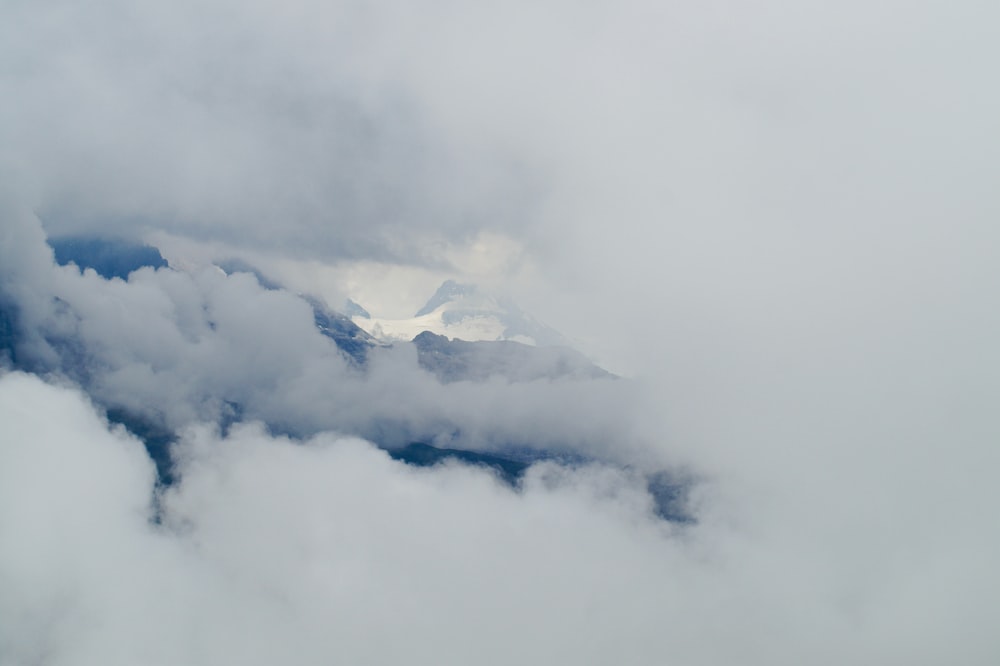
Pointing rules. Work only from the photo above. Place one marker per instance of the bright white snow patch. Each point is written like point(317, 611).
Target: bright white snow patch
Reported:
point(466, 312)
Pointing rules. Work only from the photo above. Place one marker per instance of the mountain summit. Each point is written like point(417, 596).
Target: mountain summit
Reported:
point(467, 312)
point(448, 291)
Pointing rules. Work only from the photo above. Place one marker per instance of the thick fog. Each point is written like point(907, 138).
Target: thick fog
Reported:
point(779, 222)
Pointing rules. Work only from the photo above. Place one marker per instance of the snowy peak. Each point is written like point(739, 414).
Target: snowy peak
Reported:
point(466, 312)
point(448, 291)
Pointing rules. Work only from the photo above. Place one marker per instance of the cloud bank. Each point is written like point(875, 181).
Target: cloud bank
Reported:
point(178, 348)
point(268, 549)
point(781, 218)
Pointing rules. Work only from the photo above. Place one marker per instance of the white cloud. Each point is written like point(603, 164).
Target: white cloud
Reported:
point(329, 550)
point(783, 216)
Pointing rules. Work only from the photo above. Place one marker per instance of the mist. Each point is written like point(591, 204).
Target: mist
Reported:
point(777, 223)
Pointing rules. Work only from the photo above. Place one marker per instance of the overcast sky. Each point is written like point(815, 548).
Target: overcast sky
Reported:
point(780, 218)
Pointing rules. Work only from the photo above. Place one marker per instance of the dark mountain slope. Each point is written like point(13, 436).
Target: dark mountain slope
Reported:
point(459, 360)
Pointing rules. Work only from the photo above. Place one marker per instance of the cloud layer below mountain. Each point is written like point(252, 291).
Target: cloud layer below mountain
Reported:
point(271, 550)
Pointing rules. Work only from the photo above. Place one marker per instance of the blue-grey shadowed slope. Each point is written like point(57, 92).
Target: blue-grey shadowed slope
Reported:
point(425, 455)
point(8, 333)
point(668, 490)
point(110, 257)
point(460, 360)
point(230, 266)
point(156, 438)
point(18, 347)
point(348, 336)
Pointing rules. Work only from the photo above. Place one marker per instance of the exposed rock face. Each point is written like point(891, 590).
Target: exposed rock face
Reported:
point(461, 360)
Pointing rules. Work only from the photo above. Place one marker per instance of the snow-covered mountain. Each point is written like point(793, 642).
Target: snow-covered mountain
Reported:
point(466, 312)
point(216, 347)
point(481, 360)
